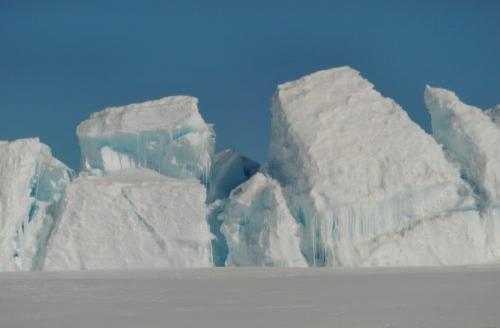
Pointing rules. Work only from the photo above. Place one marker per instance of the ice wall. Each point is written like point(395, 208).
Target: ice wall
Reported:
point(353, 166)
point(32, 182)
point(259, 228)
point(350, 181)
point(167, 135)
point(132, 219)
point(140, 202)
point(471, 138)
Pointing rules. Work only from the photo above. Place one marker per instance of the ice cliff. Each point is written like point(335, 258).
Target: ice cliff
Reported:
point(140, 200)
point(32, 182)
point(229, 170)
point(471, 138)
point(350, 180)
point(166, 135)
point(354, 167)
point(132, 219)
point(259, 228)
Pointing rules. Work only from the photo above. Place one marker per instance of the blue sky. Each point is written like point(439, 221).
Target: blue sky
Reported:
point(62, 60)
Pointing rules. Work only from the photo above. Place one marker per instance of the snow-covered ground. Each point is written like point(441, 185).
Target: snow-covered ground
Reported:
point(231, 297)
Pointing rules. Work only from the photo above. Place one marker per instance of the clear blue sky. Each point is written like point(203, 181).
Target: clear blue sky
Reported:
point(62, 60)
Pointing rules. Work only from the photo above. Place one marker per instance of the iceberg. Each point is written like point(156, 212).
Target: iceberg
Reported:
point(471, 138)
point(259, 228)
point(134, 218)
point(349, 181)
point(354, 167)
point(229, 169)
point(167, 135)
point(140, 201)
point(32, 182)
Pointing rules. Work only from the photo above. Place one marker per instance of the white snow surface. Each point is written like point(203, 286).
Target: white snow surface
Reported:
point(136, 218)
point(259, 228)
point(461, 297)
point(354, 166)
point(166, 135)
point(31, 183)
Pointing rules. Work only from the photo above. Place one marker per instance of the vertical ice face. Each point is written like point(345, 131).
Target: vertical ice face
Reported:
point(167, 135)
point(471, 138)
point(31, 183)
point(134, 219)
point(229, 169)
point(259, 228)
point(353, 166)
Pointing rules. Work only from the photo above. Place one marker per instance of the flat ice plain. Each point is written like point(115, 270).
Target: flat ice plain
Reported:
point(253, 297)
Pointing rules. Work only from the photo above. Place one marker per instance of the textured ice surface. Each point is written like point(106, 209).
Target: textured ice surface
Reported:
point(471, 138)
point(353, 165)
point(131, 219)
point(259, 228)
point(454, 238)
point(31, 183)
point(219, 243)
point(350, 181)
point(229, 169)
point(167, 135)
